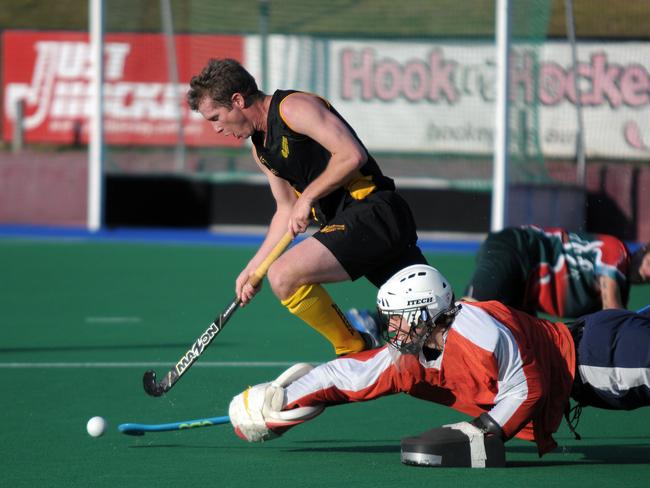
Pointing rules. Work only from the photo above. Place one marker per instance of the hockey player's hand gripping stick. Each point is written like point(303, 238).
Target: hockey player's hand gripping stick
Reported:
point(140, 429)
point(154, 388)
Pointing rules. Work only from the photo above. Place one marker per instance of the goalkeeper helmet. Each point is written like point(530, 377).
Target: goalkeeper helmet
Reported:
point(409, 304)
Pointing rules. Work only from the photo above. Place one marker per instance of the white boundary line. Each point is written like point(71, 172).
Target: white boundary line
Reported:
point(111, 365)
point(113, 320)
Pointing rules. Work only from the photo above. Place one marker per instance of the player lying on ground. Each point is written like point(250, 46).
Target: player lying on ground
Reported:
point(557, 272)
point(514, 373)
point(319, 172)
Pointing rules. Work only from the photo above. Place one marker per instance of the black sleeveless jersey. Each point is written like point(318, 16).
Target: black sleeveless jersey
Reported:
point(299, 160)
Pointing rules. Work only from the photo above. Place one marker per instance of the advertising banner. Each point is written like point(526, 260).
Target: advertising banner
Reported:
point(420, 96)
point(439, 97)
point(50, 72)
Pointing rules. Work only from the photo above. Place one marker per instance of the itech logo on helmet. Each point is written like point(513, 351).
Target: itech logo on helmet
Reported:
point(420, 301)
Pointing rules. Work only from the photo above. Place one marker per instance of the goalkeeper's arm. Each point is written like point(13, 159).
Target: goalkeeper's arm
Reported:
point(301, 393)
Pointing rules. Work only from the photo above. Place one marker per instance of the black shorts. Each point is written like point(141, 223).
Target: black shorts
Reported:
point(502, 268)
point(374, 237)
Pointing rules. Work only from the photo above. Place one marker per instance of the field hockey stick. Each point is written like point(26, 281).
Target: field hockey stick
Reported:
point(140, 429)
point(154, 388)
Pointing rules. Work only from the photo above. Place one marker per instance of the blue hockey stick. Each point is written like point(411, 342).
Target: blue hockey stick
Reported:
point(140, 429)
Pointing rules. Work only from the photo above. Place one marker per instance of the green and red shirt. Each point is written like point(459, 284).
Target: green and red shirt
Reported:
point(564, 282)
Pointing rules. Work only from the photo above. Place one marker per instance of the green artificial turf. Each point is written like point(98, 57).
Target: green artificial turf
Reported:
point(80, 322)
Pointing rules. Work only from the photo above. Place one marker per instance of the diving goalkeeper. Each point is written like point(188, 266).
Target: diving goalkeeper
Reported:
point(511, 373)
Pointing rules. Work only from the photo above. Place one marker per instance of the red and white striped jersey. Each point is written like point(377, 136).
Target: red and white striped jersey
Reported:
point(515, 367)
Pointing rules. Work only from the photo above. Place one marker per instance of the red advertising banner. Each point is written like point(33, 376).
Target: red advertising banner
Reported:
point(50, 73)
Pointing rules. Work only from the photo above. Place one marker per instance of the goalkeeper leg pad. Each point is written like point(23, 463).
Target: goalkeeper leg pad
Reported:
point(453, 446)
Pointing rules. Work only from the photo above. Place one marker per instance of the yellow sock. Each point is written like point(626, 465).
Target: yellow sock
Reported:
point(312, 304)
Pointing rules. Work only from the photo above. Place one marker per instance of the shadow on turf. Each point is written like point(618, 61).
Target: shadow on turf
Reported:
point(591, 454)
point(600, 454)
point(394, 446)
point(365, 449)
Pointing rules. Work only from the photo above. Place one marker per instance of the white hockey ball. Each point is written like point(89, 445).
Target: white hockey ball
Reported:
point(96, 426)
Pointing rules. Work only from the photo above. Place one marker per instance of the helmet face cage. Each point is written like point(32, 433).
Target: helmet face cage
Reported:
point(416, 295)
point(419, 322)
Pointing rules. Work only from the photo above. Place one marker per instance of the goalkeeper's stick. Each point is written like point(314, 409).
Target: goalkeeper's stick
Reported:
point(140, 429)
point(154, 388)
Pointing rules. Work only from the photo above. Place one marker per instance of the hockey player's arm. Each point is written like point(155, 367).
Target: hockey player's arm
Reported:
point(610, 293)
point(610, 271)
point(265, 411)
point(345, 380)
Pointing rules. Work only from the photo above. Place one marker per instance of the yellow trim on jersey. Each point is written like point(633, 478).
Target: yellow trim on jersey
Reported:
point(285, 147)
point(361, 186)
point(332, 228)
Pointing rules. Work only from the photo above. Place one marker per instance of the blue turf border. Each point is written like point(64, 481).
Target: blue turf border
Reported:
point(183, 236)
point(199, 236)
point(152, 235)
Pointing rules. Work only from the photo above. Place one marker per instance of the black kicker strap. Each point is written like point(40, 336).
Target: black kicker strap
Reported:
point(572, 417)
point(488, 425)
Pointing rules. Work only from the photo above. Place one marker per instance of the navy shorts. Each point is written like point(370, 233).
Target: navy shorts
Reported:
point(613, 360)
